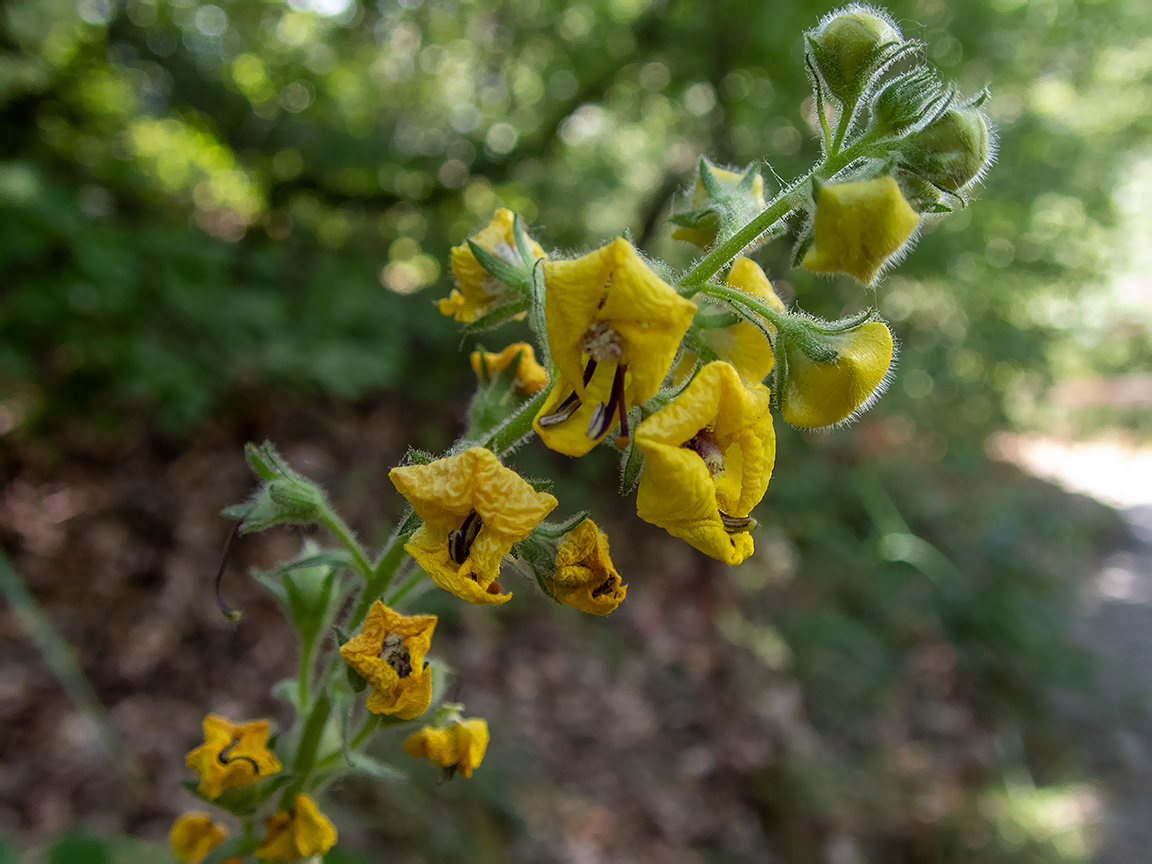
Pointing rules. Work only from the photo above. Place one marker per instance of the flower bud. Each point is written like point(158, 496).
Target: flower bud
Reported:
point(845, 44)
point(721, 200)
point(858, 227)
point(953, 150)
point(831, 376)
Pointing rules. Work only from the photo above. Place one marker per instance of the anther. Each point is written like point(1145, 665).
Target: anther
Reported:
point(605, 587)
point(460, 541)
point(737, 524)
point(569, 406)
point(603, 416)
point(225, 757)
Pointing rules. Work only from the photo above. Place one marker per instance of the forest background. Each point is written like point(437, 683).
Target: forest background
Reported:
point(216, 222)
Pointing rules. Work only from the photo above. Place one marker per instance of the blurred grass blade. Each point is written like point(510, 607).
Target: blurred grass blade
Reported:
point(61, 659)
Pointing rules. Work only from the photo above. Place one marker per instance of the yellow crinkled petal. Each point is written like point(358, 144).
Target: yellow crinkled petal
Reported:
point(858, 227)
point(233, 754)
point(194, 835)
point(461, 746)
point(405, 697)
point(444, 493)
point(823, 394)
point(677, 492)
point(585, 577)
point(531, 377)
point(304, 833)
point(744, 345)
point(613, 284)
point(477, 290)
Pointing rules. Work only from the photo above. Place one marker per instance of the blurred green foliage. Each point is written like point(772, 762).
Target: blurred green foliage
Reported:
point(198, 196)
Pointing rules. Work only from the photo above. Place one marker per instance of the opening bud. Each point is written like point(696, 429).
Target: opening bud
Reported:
point(829, 375)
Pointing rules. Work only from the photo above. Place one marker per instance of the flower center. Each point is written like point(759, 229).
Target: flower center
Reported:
point(395, 654)
point(601, 343)
point(606, 587)
point(460, 541)
point(703, 443)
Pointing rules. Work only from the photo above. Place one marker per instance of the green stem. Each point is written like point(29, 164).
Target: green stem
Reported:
point(307, 646)
point(381, 574)
point(339, 527)
point(508, 434)
point(408, 585)
point(723, 292)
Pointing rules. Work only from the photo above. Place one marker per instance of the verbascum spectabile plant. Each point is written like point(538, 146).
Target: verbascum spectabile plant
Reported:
point(683, 372)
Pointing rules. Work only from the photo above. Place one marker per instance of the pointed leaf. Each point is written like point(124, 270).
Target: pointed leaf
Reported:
point(496, 318)
point(507, 273)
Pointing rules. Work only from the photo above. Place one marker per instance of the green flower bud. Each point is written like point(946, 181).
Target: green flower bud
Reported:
point(952, 151)
point(845, 44)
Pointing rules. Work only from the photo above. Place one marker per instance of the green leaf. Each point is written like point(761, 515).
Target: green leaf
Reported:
point(310, 737)
point(507, 273)
point(287, 689)
point(631, 469)
point(541, 484)
point(709, 181)
point(362, 763)
point(75, 847)
point(418, 457)
point(523, 244)
point(496, 318)
point(559, 529)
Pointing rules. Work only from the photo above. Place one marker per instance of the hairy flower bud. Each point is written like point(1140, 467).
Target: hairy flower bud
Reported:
point(952, 151)
point(845, 44)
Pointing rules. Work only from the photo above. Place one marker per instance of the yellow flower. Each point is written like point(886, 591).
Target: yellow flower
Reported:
point(531, 377)
point(614, 327)
point(585, 577)
point(478, 291)
point(708, 458)
point(858, 227)
point(388, 652)
point(459, 747)
point(744, 345)
point(233, 754)
point(705, 220)
point(823, 393)
point(300, 833)
point(194, 835)
point(473, 509)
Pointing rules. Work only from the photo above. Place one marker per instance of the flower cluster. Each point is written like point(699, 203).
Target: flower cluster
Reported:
point(683, 373)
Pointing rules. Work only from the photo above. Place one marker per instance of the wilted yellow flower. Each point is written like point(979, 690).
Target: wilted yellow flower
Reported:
point(825, 392)
point(459, 747)
point(744, 345)
point(478, 291)
point(531, 377)
point(388, 652)
point(473, 509)
point(708, 457)
point(585, 577)
point(858, 227)
point(614, 327)
point(233, 754)
point(194, 835)
point(300, 833)
point(705, 223)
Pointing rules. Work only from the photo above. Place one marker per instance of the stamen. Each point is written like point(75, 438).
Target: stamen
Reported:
point(737, 524)
point(603, 416)
point(460, 541)
point(569, 406)
point(225, 757)
point(623, 439)
point(395, 654)
point(608, 585)
point(703, 443)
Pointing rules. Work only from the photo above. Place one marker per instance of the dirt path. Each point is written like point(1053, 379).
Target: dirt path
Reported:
point(1116, 620)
